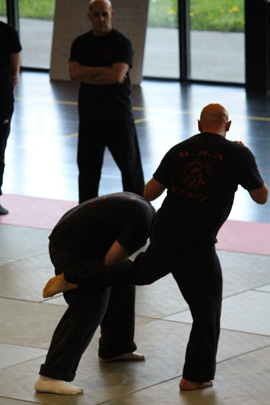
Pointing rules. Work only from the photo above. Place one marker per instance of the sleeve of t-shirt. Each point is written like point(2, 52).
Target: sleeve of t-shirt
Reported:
point(14, 43)
point(250, 178)
point(75, 52)
point(124, 51)
point(162, 174)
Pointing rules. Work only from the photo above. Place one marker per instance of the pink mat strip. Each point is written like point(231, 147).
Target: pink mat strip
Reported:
point(246, 237)
point(33, 212)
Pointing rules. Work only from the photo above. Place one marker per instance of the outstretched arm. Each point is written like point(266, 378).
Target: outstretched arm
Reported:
point(260, 195)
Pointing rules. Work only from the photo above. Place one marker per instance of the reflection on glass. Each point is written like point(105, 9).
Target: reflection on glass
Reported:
point(217, 40)
point(161, 58)
point(36, 29)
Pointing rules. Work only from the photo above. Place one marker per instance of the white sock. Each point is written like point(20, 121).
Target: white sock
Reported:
point(134, 356)
point(52, 386)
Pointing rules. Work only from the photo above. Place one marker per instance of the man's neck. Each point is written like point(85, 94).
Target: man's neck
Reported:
point(214, 131)
point(98, 34)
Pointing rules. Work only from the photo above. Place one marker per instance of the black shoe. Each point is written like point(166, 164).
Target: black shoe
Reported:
point(3, 211)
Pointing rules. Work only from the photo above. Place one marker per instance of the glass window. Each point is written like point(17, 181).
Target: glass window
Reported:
point(3, 11)
point(161, 57)
point(36, 30)
point(217, 40)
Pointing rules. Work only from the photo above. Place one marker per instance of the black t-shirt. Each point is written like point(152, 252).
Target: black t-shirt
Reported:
point(108, 103)
point(202, 175)
point(9, 43)
point(93, 226)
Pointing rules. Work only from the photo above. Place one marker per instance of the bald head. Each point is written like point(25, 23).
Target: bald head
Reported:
point(106, 2)
point(101, 15)
point(214, 118)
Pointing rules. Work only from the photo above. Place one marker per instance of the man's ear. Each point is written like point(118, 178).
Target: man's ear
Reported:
point(112, 14)
point(228, 125)
point(199, 126)
point(88, 15)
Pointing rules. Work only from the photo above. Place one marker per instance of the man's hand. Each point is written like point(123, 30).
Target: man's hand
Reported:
point(240, 143)
point(80, 73)
point(112, 75)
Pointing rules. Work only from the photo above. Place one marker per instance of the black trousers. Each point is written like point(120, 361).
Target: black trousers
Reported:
point(6, 111)
point(113, 308)
point(121, 140)
point(199, 277)
point(200, 282)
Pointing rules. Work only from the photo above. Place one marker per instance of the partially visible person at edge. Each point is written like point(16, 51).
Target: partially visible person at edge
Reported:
point(201, 175)
point(101, 231)
point(10, 49)
point(100, 60)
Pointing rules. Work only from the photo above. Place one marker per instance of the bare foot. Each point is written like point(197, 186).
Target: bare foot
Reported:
point(186, 385)
point(51, 386)
point(57, 285)
point(133, 356)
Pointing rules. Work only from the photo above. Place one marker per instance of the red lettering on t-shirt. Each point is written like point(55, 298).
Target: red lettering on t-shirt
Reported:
point(184, 154)
point(218, 156)
point(203, 153)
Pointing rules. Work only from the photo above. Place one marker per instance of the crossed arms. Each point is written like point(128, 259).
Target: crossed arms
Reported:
point(101, 75)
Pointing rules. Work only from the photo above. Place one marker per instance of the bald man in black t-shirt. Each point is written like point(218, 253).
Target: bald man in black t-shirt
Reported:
point(201, 175)
point(99, 232)
point(100, 60)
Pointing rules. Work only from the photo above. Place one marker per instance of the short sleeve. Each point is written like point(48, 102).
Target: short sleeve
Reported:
point(162, 174)
point(124, 51)
point(250, 178)
point(75, 52)
point(13, 41)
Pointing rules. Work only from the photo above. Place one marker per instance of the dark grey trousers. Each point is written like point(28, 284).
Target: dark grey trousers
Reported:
point(112, 308)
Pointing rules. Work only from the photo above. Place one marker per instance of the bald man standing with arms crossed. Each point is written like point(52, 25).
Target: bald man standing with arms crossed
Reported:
point(201, 175)
point(100, 60)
